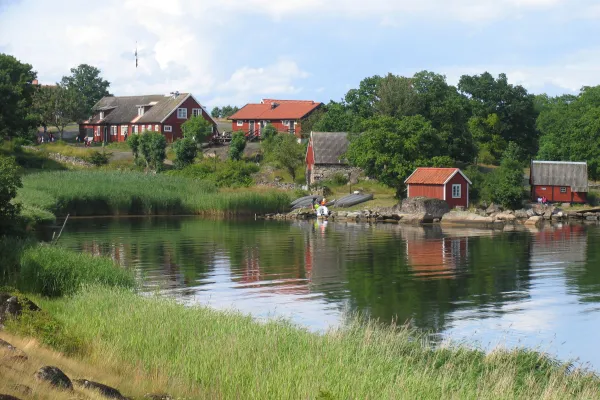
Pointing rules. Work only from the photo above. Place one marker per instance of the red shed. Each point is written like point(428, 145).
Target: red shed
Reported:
point(559, 181)
point(448, 184)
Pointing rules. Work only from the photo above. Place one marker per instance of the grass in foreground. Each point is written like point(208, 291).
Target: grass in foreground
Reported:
point(227, 355)
point(93, 193)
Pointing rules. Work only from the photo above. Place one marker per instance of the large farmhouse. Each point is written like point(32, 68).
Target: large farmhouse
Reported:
point(114, 118)
point(285, 115)
point(559, 181)
point(448, 184)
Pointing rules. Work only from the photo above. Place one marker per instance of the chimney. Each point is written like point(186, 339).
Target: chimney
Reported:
point(35, 82)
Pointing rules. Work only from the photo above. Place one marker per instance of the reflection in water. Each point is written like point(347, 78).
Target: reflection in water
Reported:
point(519, 287)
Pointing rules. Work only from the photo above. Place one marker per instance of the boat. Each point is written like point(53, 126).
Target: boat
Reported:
point(352, 200)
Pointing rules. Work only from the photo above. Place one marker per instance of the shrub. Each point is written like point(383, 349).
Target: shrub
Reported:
point(134, 144)
point(339, 179)
point(10, 181)
point(286, 152)
point(227, 174)
point(98, 158)
point(54, 271)
point(185, 152)
point(153, 147)
point(197, 129)
point(237, 146)
point(268, 133)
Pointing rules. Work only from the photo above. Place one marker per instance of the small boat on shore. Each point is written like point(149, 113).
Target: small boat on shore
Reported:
point(352, 200)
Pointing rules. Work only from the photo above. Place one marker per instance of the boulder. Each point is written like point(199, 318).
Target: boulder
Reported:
point(54, 377)
point(8, 397)
point(6, 346)
point(416, 219)
point(534, 220)
point(104, 390)
point(548, 214)
point(493, 208)
point(464, 217)
point(565, 205)
point(522, 214)
point(12, 306)
point(425, 205)
point(506, 217)
point(531, 213)
point(158, 396)
point(591, 218)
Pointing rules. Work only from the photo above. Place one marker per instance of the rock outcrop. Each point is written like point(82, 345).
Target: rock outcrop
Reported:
point(423, 205)
point(8, 397)
point(465, 217)
point(55, 377)
point(104, 390)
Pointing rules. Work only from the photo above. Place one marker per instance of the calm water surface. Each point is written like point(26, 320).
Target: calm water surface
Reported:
point(536, 288)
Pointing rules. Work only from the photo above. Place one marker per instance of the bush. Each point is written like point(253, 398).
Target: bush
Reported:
point(54, 271)
point(98, 158)
point(339, 179)
point(10, 181)
point(197, 129)
point(134, 144)
point(153, 147)
point(268, 133)
point(237, 146)
point(227, 174)
point(185, 152)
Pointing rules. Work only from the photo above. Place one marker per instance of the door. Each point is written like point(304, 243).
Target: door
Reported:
point(293, 127)
point(252, 126)
point(105, 134)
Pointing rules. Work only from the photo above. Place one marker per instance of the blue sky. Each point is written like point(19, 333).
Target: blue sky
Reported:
point(239, 51)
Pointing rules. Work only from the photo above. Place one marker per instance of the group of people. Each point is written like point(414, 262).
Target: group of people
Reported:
point(320, 209)
point(87, 141)
point(45, 136)
point(542, 200)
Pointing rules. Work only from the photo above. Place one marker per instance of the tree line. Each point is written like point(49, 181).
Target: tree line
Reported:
point(224, 112)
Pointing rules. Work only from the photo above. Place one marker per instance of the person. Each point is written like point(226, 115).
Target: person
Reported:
point(322, 211)
point(544, 200)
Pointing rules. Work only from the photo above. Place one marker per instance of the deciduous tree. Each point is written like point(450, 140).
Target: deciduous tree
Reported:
point(287, 153)
point(237, 146)
point(198, 129)
point(86, 81)
point(153, 147)
point(10, 181)
point(16, 97)
point(57, 106)
point(185, 152)
point(216, 112)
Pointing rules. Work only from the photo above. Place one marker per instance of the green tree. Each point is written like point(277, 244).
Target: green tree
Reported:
point(216, 112)
point(133, 141)
point(57, 106)
point(390, 149)
point(16, 97)
point(287, 153)
point(237, 146)
point(10, 181)
point(153, 147)
point(397, 97)
point(513, 105)
point(337, 118)
point(228, 111)
point(198, 129)
point(362, 102)
point(185, 152)
point(506, 182)
point(86, 81)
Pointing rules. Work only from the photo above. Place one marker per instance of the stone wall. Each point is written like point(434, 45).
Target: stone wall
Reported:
point(327, 172)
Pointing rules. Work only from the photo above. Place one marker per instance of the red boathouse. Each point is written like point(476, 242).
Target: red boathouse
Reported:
point(559, 181)
point(448, 184)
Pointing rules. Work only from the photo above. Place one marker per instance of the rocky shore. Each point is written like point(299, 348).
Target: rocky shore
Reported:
point(426, 211)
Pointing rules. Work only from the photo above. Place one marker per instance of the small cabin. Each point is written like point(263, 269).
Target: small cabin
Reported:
point(559, 181)
point(448, 184)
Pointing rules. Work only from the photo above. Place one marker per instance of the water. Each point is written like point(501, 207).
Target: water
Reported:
point(532, 288)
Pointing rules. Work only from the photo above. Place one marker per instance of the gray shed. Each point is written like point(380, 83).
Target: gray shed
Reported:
point(559, 181)
point(326, 156)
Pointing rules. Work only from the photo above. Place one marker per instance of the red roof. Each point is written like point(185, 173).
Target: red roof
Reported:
point(433, 176)
point(285, 109)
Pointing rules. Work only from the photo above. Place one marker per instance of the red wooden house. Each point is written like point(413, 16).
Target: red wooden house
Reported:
point(448, 184)
point(115, 118)
point(285, 115)
point(559, 181)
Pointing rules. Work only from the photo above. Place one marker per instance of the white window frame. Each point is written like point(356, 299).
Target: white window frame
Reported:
point(457, 194)
point(240, 122)
point(563, 189)
point(124, 130)
point(182, 113)
point(156, 128)
point(97, 131)
point(140, 111)
point(113, 130)
point(286, 122)
point(101, 117)
point(196, 112)
point(168, 128)
point(143, 128)
point(264, 123)
point(134, 129)
point(149, 128)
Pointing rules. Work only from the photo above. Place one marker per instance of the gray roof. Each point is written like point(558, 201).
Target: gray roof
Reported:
point(560, 173)
point(125, 108)
point(330, 147)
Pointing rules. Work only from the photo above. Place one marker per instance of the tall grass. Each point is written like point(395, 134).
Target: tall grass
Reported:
point(89, 193)
point(233, 356)
point(55, 271)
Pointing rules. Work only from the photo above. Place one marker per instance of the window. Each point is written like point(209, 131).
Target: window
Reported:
point(456, 191)
point(286, 123)
point(98, 131)
point(101, 114)
point(150, 127)
point(140, 111)
point(196, 112)
point(156, 128)
point(168, 128)
point(263, 123)
point(563, 189)
point(143, 128)
point(182, 113)
point(135, 130)
point(123, 130)
point(113, 130)
point(240, 122)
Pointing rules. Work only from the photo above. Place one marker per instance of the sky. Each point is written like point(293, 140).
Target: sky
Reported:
point(240, 51)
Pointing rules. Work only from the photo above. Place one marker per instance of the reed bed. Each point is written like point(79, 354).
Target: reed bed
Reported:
point(55, 271)
point(228, 355)
point(102, 193)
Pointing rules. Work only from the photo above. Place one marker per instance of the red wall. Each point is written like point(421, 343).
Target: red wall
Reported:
point(553, 194)
point(464, 192)
point(433, 191)
point(176, 123)
point(278, 124)
point(310, 156)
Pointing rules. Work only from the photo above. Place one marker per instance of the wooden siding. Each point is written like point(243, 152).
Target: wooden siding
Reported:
point(310, 156)
point(432, 191)
point(463, 201)
point(278, 124)
point(553, 194)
